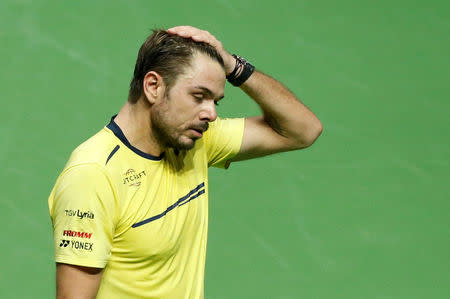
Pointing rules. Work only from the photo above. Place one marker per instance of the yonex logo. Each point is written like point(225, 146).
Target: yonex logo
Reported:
point(64, 243)
point(82, 245)
point(77, 245)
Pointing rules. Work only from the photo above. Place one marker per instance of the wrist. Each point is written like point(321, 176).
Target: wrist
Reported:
point(230, 64)
point(241, 72)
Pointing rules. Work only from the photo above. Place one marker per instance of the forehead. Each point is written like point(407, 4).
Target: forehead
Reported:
point(203, 71)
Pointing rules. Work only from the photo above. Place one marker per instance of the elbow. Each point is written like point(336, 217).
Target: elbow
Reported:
point(318, 129)
point(309, 135)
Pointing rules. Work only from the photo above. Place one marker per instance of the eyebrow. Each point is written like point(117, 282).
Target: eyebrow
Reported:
point(209, 92)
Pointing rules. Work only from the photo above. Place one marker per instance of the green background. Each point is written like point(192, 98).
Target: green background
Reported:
point(363, 213)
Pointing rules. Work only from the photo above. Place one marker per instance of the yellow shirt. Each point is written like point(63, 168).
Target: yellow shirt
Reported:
point(142, 218)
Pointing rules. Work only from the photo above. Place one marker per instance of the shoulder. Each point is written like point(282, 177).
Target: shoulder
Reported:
point(89, 159)
point(223, 140)
point(96, 150)
point(225, 126)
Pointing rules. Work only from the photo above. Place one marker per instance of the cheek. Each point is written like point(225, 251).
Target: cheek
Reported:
point(181, 117)
point(159, 117)
point(178, 112)
point(171, 121)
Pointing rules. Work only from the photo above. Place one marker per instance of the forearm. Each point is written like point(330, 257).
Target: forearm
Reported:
point(282, 110)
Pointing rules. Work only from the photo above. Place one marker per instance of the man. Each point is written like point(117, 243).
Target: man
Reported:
point(130, 208)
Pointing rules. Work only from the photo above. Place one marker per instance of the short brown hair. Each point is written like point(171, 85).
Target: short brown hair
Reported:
point(168, 55)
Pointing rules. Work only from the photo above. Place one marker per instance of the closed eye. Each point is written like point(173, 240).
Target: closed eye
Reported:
point(198, 97)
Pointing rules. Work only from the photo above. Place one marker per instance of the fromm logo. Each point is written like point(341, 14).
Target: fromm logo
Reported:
point(71, 233)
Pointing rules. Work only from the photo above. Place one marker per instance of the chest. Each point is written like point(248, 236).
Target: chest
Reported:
point(163, 209)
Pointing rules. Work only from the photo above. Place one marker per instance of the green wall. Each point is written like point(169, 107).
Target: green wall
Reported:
point(364, 213)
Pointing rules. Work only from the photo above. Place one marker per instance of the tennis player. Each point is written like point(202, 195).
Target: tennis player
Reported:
point(130, 208)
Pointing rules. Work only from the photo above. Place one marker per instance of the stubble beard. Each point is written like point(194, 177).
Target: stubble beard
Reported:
point(166, 135)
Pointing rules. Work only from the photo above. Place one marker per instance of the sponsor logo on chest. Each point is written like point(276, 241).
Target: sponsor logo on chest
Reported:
point(133, 178)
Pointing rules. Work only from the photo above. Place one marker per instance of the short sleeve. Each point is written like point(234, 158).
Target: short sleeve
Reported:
point(82, 208)
point(223, 140)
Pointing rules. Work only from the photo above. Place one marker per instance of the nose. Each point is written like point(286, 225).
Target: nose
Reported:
point(208, 112)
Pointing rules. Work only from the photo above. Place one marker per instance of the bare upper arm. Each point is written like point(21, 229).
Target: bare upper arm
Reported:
point(74, 281)
point(260, 139)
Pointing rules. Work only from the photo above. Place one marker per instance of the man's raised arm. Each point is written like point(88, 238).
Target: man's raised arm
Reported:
point(286, 124)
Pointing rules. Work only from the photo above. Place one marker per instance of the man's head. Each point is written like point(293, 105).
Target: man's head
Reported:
point(168, 55)
point(181, 80)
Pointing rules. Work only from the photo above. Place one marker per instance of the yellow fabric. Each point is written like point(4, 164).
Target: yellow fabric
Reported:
point(104, 191)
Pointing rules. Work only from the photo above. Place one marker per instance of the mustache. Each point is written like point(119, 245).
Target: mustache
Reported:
point(201, 127)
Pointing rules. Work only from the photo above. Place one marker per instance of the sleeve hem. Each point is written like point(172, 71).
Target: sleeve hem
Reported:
point(80, 262)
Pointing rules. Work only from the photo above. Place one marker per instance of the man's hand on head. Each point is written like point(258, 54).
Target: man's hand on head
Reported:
point(204, 36)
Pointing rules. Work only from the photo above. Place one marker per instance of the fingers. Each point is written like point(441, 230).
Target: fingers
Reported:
point(184, 31)
point(199, 35)
point(179, 30)
point(194, 33)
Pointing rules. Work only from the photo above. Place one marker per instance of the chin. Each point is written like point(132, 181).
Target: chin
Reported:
point(184, 144)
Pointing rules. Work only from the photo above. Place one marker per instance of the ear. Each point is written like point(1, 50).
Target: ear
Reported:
point(153, 86)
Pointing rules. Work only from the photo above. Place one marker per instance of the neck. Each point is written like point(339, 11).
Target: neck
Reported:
point(134, 121)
